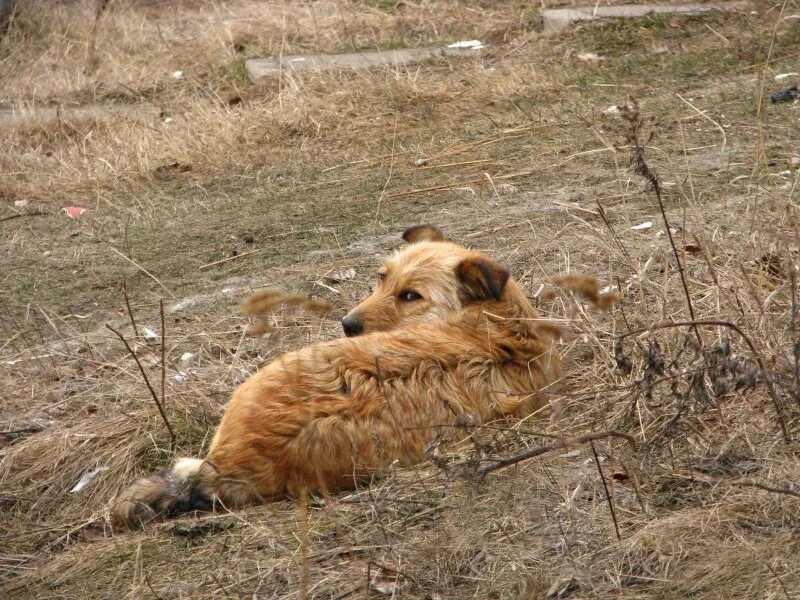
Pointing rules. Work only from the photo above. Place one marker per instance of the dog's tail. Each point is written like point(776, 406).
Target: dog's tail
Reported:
point(188, 485)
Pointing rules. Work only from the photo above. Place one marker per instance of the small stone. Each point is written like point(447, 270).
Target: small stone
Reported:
point(249, 238)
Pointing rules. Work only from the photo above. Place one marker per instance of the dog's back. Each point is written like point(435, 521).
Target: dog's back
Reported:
point(323, 417)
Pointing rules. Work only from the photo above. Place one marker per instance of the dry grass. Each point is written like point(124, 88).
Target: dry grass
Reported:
point(510, 153)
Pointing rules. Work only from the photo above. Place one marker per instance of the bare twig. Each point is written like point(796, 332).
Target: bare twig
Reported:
point(35, 213)
point(561, 443)
point(228, 259)
point(768, 488)
point(128, 306)
point(640, 167)
point(602, 213)
point(605, 487)
point(163, 352)
point(100, 6)
point(795, 337)
point(146, 380)
point(780, 582)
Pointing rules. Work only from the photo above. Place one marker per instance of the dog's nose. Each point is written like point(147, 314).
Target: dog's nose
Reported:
point(352, 326)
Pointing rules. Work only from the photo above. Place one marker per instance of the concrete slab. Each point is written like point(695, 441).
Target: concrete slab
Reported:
point(557, 19)
point(258, 68)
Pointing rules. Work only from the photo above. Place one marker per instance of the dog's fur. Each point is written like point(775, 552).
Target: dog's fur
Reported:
point(469, 350)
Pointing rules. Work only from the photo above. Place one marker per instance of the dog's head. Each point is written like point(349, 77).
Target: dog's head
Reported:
point(429, 279)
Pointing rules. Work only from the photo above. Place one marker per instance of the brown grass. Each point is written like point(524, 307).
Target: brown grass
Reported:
point(506, 152)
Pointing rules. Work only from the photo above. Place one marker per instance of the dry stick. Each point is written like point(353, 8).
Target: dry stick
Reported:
point(36, 213)
point(780, 581)
point(163, 352)
point(795, 338)
point(640, 167)
point(561, 443)
point(605, 487)
point(756, 354)
point(128, 306)
point(90, 49)
point(618, 241)
point(768, 488)
point(770, 61)
point(224, 260)
point(146, 380)
point(150, 585)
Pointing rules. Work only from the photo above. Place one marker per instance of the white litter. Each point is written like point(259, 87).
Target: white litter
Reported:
point(168, 120)
point(183, 375)
point(590, 57)
point(642, 226)
point(469, 44)
point(178, 74)
point(613, 110)
point(87, 479)
point(20, 203)
point(782, 76)
point(149, 334)
point(344, 275)
point(187, 357)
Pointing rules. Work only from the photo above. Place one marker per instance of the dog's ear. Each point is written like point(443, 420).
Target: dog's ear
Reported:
point(481, 279)
point(422, 233)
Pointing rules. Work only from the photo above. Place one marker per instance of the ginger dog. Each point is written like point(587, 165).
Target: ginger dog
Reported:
point(448, 339)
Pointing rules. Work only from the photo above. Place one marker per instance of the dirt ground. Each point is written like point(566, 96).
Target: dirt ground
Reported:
point(200, 186)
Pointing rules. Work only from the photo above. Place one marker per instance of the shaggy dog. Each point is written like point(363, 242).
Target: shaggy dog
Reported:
point(448, 339)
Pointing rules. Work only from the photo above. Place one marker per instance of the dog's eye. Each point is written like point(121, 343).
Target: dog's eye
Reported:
point(409, 296)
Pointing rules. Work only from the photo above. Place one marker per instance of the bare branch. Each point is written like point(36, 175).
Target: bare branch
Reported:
point(561, 443)
point(146, 380)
